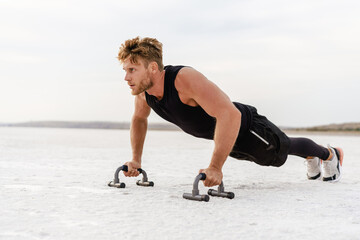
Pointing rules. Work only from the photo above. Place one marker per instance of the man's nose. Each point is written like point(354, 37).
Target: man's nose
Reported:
point(127, 77)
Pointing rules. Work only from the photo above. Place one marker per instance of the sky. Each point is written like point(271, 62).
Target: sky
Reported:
point(297, 62)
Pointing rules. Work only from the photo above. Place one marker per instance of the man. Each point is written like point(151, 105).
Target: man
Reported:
point(185, 97)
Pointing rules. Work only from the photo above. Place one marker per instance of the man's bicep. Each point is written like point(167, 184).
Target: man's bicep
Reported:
point(142, 109)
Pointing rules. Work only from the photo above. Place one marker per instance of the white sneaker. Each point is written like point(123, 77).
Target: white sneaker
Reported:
point(313, 168)
point(332, 167)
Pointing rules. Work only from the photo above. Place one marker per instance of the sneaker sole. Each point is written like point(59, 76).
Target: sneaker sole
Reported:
point(340, 154)
point(317, 177)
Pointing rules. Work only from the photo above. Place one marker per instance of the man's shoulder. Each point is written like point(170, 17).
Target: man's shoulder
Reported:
point(189, 79)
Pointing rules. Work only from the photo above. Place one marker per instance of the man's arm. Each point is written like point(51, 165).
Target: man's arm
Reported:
point(138, 129)
point(195, 88)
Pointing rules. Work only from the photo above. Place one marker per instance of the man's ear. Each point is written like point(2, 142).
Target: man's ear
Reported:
point(153, 67)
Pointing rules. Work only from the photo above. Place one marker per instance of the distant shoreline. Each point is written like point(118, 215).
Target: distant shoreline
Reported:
point(340, 129)
point(312, 132)
point(89, 125)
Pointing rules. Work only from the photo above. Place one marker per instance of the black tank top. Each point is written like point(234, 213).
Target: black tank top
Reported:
point(192, 120)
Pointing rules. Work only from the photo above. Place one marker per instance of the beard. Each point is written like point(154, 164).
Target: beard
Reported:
point(144, 85)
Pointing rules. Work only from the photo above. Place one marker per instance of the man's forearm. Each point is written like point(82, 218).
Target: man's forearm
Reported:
point(138, 130)
point(226, 132)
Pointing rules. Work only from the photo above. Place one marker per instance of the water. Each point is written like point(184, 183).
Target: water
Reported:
point(53, 185)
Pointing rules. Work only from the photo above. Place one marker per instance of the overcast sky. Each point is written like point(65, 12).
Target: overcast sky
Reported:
point(298, 62)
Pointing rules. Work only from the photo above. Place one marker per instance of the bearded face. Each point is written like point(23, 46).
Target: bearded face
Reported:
point(137, 76)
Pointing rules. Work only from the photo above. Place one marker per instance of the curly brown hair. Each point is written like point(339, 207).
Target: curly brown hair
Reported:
point(147, 49)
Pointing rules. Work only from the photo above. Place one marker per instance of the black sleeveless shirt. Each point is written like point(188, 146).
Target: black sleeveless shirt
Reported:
point(192, 120)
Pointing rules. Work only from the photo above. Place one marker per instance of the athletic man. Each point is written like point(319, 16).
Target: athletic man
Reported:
point(185, 97)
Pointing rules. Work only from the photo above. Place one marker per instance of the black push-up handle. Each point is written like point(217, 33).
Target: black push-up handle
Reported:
point(116, 183)
point(220, 192)
point(195, 195)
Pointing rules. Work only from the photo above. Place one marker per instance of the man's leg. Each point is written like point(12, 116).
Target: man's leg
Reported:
point(306, 148)
point(314, 153)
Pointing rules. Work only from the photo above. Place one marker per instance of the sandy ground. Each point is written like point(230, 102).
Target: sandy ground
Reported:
point(53, 185)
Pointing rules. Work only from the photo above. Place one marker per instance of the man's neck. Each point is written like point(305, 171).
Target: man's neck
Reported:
point(157, 89)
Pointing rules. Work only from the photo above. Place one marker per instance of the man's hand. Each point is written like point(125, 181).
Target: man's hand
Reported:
point(132, 169)
point(213, 176)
